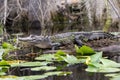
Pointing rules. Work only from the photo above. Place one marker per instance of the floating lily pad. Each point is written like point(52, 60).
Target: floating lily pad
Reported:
point(47, 57)
point(6, 45)
point(102, 69)
point(34, 77)
point(4, 63)
point(70, 59)
point(46, 68)
point(2, 73)
point(1, 53)
point(31, 64)
point(109, 63)
point(10, 78)
point(58, 73)
point(60, 52)
point(96, 57)
point(99, 64)
point(115, 76)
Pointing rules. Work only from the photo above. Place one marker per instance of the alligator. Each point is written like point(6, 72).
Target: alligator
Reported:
point(64, 38)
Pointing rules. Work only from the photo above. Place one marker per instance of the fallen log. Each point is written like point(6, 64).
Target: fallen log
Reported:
point(111, 50)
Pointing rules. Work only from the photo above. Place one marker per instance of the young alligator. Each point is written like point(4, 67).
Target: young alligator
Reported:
point(64, 38)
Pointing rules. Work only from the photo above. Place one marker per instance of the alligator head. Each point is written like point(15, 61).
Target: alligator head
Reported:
point(39, 41)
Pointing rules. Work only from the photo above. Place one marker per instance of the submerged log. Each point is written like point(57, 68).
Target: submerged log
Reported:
point(111, 50)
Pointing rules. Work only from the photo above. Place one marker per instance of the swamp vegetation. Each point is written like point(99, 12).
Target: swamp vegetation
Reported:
point(95, 60)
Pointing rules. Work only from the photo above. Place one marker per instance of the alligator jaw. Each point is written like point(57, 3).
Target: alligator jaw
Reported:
point(25, 39)
point(30, 38)
point(38, 41)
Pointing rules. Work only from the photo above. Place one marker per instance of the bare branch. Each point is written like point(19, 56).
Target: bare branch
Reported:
point(5, 13)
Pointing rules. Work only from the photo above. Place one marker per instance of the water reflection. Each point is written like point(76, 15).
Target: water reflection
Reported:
point(79, 73)
point(78, 70)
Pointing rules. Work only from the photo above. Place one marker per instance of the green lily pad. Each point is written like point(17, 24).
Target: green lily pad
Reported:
point(107, 63)
point(115, 76)
point(35, 77)
point(96, 57)
point(60, 52)
point(1, 53)
point(102, 69)
point(31, 64)
point(70, 59)
point(4, 63)
point(58, 73)
point(6, 45)
point(2, 73)
point(47, 57)
point(46, 68)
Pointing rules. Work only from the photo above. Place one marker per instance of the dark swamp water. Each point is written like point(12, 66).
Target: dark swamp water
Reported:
point(78, 73)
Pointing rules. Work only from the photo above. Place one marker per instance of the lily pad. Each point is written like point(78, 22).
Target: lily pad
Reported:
point(35, 77)
point(60, 52)
point(6, 45)
point(115, 76)
point(46, 68)
point(58, 73)
point(31, 64)
point(102, 69)
point(47, 57)
point(70, 59)
point(4, 63)
point(1, 53)
point(96, 57)
point(107, 63)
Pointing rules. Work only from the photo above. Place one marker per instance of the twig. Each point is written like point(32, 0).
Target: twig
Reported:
point(5, 13)
point(115, 9)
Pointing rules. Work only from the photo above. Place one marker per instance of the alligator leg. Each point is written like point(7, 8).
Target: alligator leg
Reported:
point(78, 41)
point(55, 45)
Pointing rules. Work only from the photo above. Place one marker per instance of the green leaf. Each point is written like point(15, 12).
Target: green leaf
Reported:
point(36, 77)
point(78, 51)
point(31, 64)
point(96, 57)
point(102, 69)
point(1, 53)
point(84, 50)
point(4, 63)
point(109, 63)
point(47, 57)
point(60, 52)
point(91, 69)
point(70, 59)
point(2, 73)
point(108, 70)
point(46, 68)
point(95, 64)
point(58, 73)
point(115, 76)
point(6, 45)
